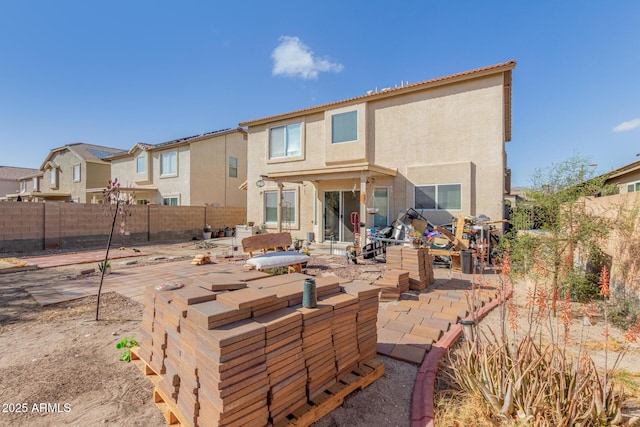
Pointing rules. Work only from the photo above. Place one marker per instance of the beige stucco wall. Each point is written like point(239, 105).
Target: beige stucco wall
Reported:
point(210, 180)
point(622, 247)
point(173, 185)
point(446, 135)
point(92, 175)
point(453, 134)
point(202, 172)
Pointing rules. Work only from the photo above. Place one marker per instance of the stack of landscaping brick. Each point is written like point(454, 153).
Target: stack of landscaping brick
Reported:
point(284, 361)
point(392, 284)
point(417, 261)
point(367, 316)
point(238, 349)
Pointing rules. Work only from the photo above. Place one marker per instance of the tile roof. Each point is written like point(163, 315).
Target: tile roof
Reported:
point(15, 173)
point(90, 152)
point(506, 66)
point(87, 152)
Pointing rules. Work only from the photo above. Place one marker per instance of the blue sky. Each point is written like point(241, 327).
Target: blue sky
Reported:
point(124, 71)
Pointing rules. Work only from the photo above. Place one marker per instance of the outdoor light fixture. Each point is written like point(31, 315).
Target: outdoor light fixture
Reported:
point(260, 183)
point(467, 329)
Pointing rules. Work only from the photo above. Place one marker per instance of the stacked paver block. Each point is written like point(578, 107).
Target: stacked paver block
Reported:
point(392, 284)
point(368, 303)
point(417, 261)
point(317, 347)
point(236, 348)
point(344, 332)
point(284, 362)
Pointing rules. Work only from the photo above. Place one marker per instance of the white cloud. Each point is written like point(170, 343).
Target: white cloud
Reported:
point(625, 126)
point(293, 58)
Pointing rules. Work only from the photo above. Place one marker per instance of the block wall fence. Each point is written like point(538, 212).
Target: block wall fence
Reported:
point(28, 227)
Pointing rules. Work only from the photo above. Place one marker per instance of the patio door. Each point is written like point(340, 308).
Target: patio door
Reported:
point(338, 206)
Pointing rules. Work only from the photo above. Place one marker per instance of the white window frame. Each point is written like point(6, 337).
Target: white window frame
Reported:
point(635, 186)
point(141, 160)
point(437, 207)
point(171, 197)
point(23, 186)
point(77, 177)
point(341, 115)
point(294, 222)
point(166, 157)
point(286, 148)
point(53, 177)
point(36, 186)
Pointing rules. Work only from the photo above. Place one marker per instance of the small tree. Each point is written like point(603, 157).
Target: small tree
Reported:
point(117, 204)
point(555, 206)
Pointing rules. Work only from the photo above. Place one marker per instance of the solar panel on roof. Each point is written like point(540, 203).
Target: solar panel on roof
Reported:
point(101, 154)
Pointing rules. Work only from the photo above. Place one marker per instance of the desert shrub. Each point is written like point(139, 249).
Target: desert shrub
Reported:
point(533, 384)
point(582, 287)
point(624, 313)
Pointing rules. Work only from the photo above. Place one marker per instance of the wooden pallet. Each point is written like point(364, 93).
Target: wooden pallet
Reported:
point(304, 416)
point(334, 396)
point(167, 407)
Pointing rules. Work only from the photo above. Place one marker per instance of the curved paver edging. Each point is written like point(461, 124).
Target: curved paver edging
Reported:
point(422, 411)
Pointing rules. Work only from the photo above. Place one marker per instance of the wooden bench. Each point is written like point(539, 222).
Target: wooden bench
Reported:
point(273, 252)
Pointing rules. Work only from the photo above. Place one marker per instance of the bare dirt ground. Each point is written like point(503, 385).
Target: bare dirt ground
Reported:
point(60, 367)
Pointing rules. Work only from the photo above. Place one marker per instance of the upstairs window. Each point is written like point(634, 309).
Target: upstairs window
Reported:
point(36, 184)
point(23, 186)
point(344, 127)
point(285, 141)
point(141, 163)
point(53, 177)
point(233, 167)
point(438, 197)
point(76, 173)
point(169, 163)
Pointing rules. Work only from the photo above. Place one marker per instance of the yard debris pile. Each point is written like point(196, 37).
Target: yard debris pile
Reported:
point(254, 355)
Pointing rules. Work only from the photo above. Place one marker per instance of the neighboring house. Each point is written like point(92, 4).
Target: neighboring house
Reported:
point(198, 170)
point(626, 178)
point(69, 171)
point(437, 146)
point(14, 182)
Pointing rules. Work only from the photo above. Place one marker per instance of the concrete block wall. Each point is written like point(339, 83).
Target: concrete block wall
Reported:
point(220, 217)
point(28, 227)
point(21, 226)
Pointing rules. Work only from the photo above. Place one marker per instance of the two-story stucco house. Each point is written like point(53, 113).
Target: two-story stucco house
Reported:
point(199, 170)
point(437, 146)
point(70, 171)
point(16, 183)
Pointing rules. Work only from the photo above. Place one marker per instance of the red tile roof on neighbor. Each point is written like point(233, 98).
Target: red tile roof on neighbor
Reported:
point(12, 173)
point(478, 72)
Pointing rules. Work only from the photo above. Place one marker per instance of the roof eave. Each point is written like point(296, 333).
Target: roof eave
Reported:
point(426, 84)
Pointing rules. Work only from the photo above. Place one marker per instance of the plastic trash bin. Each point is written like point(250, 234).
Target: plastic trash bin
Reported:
point(466, 261)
